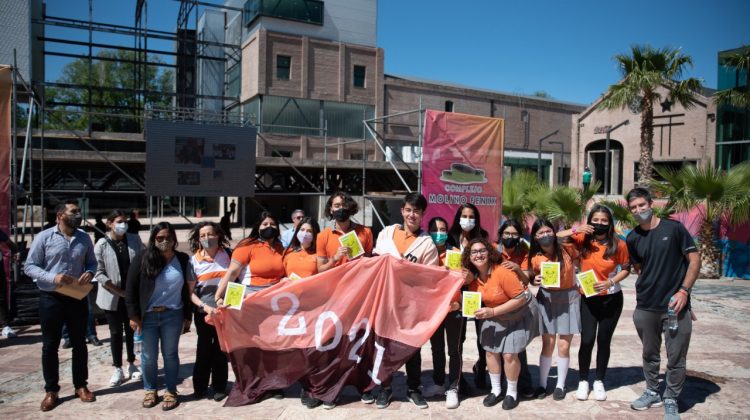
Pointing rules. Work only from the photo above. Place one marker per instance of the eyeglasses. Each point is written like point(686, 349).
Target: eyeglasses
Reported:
point(161, 238)
point(478, 252)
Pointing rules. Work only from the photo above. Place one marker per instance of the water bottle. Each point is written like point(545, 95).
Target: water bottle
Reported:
point(137, 341)
point(671, 316)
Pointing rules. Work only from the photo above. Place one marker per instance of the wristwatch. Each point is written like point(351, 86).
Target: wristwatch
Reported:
point(685, 289)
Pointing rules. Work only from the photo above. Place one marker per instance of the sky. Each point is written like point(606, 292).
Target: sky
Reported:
point(564, 48)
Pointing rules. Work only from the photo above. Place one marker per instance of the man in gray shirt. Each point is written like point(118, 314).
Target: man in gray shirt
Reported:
point(62, 255)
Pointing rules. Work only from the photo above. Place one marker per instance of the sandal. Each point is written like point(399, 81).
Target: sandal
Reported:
point(149, 400)
point(169, 401)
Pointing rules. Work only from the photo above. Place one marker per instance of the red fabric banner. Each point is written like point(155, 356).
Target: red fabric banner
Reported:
point(352, 325)
point(462, 162)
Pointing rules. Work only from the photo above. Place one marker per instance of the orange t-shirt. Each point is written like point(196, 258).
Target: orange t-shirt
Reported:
point(302, 263)
point(519, 256)
point(595, 258)
point(328, 242)
point(567, 273)
point(264, 264)
point(402, 240)
point(501, 286)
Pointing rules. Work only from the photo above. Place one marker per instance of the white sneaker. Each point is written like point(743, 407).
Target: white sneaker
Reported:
point(599, 393)
point(433, 390)
point(117, 377)
point(133, 372)
point(451, 398)
point(8, 332)
point(583, 391)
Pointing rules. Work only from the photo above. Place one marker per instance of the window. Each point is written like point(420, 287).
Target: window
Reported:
point(308, 11)
point(283, 67)
point(359, 76)
point(448, 106)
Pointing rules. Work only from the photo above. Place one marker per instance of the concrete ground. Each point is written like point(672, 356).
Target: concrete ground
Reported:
point(716, 386)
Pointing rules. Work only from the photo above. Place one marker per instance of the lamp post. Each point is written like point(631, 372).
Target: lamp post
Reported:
point(562, 159)
point(539, 154)
point(607, 159)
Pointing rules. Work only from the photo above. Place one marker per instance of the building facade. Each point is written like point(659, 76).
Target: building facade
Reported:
point(733, 123)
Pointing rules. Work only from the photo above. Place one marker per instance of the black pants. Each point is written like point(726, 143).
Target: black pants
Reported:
point(599, 316)
point(413, 373)
point(118, 324)
point(91, 322)
point(210, 361)
point(54, 311)
point(4, 305)
point(449, 333)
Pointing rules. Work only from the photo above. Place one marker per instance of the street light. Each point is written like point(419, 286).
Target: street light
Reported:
point(562, 159)
point(539, 155)
point(607, 158)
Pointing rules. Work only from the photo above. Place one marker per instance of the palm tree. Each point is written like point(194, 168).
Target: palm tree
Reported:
point(515, 194)
point(562, 205)
point(645, 71)
point(738, 96)
point(718, 195)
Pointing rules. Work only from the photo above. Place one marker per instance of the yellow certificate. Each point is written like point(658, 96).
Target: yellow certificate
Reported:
point(234, 294)
point(294, 276)
point(587, 280)
point(453, 260)
point(351, 241)
point(550, 274)
point(470, 302)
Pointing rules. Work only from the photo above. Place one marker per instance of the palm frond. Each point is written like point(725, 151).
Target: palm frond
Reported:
point(620, 212)
point(738, 97)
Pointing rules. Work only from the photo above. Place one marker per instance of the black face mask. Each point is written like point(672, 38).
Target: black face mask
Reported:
point(267, 233)
point(511, 242)
point(340, 215)
point(546, 240)
point(600, 229)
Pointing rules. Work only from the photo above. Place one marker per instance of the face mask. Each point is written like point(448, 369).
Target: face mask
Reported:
point(267, 233)
point(74, 221)
point(467, 224)
point(511, 242)
point(304, 237)
point(546, 240)
point(121, 228)
point(164, 245)
point(340, 215)
point(600, 229)
point(439, 238)
point(209, 243)
point(644, 216)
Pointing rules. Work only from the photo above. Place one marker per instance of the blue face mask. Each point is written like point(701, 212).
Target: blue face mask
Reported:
point(439, 238)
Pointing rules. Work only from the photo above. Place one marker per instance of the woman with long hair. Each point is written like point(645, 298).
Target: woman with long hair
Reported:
point(114, 253)
point(451, 332)
point(467, 226)
point(158, 290)
point(259, 255)
point(300, 256)
point(340, 207)
point(508, 313)
point(558, 306)
point(604, 253)
point(210, 261)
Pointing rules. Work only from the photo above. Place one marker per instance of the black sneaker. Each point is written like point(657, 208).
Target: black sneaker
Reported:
point(198, 395)
point(480, 377)
point(384, 398)
point(276, 394)
point(329, 405)
point(66, 344)
point(94, 341)
point(540, 393)
point(527, 392)
point(305, 398)
point(509, 403)
point(491, 400)
point(416, 397)
point(218, 396)
point(559, 394)
point(367, 397)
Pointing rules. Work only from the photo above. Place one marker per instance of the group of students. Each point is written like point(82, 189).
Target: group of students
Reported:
point(158, 290)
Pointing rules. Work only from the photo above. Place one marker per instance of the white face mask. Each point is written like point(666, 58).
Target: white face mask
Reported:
point(467, 224)
point(121, 228)
point(304, 237)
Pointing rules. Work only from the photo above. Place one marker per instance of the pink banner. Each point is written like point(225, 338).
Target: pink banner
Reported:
point(462, 162)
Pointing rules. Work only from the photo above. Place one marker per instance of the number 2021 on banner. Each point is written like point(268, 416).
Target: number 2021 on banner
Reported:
point(301, 329)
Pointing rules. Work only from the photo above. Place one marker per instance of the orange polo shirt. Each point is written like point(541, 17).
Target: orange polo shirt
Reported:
point(501, 286)
point(300, 262)
point(328, 242)
point(403, 240)
point(264, 263)
point(519, 256)
point(567, 273)
point(595, 259)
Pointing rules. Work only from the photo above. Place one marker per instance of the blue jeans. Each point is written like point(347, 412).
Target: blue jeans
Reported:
point(165, 327)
